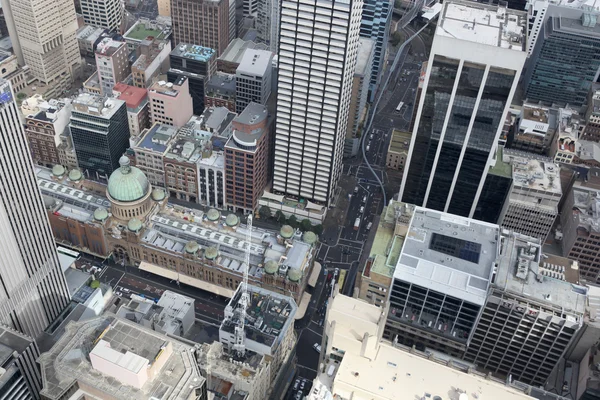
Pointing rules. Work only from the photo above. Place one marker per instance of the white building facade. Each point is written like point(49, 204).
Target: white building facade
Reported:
point(33, 290)
point(267, 23)
point(105, 14)
point(317, 60)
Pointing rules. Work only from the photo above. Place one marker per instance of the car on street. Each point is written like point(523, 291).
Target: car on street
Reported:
point(362, 209)
point(317, 347)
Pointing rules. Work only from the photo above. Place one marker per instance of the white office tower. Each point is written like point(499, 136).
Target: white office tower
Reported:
point(43, 35)
point(476, 59)
point(33, 290)
point(106, 14)
point(317, 58)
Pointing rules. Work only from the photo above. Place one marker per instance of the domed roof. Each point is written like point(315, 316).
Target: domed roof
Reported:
point(213, 214)
point(294, 274)
point(127, 183)
point(158, 194)
point(232, 220)
point(286, 231)
point(134, 225)
point(211, 253)
point(75, 175)
point(309, 237)
point(58, 170)
point(191, 247)
point(49, 202)
point(100, 214)
point(271, 267)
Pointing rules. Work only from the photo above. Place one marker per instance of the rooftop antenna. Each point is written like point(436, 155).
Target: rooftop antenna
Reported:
point(240, 334)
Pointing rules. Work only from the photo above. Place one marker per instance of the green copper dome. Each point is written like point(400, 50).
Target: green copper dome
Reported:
point(232, 220)
point(191, 247)
point(271, 267)
point(211, 253)
point(158, 194)
point(134, 225)
point(213, 214)
point(286, 232)
point(294, 274)
point(100, 214)
point(309, 237)
point(127, 183)
point(58, 170)
point(75, 175)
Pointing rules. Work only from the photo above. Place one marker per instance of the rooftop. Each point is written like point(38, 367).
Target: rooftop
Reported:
point(485, 24)
point(193, 52)
point(144, 28)
point(449, 254)
point(108, 47)
point(365, 55)
point(68, 361)
point(93, 104)
point(89, 32)
point(14, 340)
point(167, 88)
point(221, 83)
point(157, 138)
point(501, 168)
point(254, 113)
point(268, 316)
point(133, 96)
point(398, 374)
point(255, 62)
point(236, 49)
point(535, 174)
point(50, 111)
point(519, 274)
point(215, 120)
point(586, 207)
point(400, 141)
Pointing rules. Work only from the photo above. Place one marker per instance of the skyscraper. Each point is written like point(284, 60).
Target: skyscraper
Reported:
point(105, 14)
point(206, 23)
point(564, 59)
point(267, 23)
point(476, 59)
point(43, 35)
point(317, 59)
point(33, 290)
point(375, 24)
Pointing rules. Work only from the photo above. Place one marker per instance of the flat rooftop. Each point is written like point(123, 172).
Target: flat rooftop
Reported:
point(400, 141)
point(539, 175)
point(235, 50)
point(398, 374)
point(449, 254)
point(366, 48)
point(485, 24)
point(93, 104)
point(14, 341)
point(268, 316)
point(501, 168)
point(519, 273)
point(586, 201)
point(68, 361)
point(255, 62)
point(213, 119)
point(167, 88)
point(254, 113)
point(133, 96)
point(193, 52)
point(221, 84)
point(157, 138)
point(108, 47)
point(535, 113)
point(144, 28)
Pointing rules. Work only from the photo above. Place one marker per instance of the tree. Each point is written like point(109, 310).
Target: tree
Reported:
point(318, 229)
point(397, 37)
point(264, 212)
point(279, 216)
point(305, 225)
point(292, 221)
point(95, 284)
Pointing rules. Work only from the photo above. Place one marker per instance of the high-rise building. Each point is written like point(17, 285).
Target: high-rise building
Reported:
point(267, 24)
point(253, 79)
point(21, 376)
point(492, 203)
point(170, 103)
point(563, 61)
point(375, 24)
point(314, 90)
point(136, 100)
point(204, 23)
point(112, 64)
point(247, 157)
point(44, 37)
point(33, 290)
point(164, 8)
point(197, 64)
point(360, 85)
point(100, 132)
point(463, 105)
point(106, 14)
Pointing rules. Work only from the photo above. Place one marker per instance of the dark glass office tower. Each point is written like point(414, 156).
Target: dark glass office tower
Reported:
point(468, 88)
point(375, 24)
point(566, 57)
point(100, 133)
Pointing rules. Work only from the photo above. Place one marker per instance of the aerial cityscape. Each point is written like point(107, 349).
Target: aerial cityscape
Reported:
point(299, 199)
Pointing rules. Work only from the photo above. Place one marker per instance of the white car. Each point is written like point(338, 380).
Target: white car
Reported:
point(317, 347)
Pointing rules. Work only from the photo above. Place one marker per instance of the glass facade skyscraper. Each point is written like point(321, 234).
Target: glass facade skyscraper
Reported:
point(375, 24)
point(564, 61)
point(468, 87)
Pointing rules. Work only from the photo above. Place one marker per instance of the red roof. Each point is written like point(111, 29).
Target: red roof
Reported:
point(133, 96)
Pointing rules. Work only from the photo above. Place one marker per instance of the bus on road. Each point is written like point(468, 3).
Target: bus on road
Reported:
point(357, 224)
point(400, 106)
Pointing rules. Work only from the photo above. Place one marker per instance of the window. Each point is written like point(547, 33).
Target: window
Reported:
point(463, 249)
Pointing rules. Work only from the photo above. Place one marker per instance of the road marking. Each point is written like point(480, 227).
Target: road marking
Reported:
point(122, 275)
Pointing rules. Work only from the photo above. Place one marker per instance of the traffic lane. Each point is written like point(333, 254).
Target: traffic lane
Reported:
point(308, 357)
